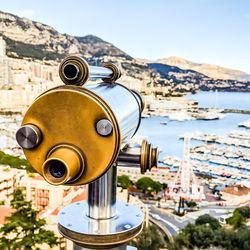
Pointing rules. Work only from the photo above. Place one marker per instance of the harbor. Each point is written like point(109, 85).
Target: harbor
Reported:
point(218, 147)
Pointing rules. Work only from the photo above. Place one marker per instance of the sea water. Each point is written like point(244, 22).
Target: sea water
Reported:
point(166, 137)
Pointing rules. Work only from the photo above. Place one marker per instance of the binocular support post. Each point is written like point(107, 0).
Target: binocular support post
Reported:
point(102, 196)
point(101, 222)
point(102, 201)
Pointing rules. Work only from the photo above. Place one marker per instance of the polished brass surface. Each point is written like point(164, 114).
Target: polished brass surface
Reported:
point(155, 154)
point(75, 70)
point(97, 241)
point(83, 70)
point(149, 156)
point(68, 115)
point(144, 156)
point(116, 72)
point(124, 104)
point(63, 158)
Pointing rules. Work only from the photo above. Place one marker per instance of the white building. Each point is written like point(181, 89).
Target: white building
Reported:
point(4, 65)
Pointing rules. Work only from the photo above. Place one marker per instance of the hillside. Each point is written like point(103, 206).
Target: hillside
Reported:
point(213, 71)
point(31, 40)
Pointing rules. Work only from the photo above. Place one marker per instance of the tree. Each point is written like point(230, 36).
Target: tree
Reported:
point(164, 186)
point(206, 219)
point(242, 238)
point(23, 230)
point(240, 216)
point(157, 187)
point(244, 211)
point(123, 181)
point(204, 236)
point(182, 240)
point(237, 220)
point(148, 185)
point(206, 233)
point(226, 238)
point(191, 204)
point(149, 239)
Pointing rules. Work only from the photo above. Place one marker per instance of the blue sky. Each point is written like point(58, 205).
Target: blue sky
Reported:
point(211, 31)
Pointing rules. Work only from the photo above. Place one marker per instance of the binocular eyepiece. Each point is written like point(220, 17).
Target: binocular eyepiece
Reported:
point(63, 165)
point(72, 135)
point(76, 71)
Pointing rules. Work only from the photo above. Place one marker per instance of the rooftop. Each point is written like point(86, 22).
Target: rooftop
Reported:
point(4, 212)
point(239, 190)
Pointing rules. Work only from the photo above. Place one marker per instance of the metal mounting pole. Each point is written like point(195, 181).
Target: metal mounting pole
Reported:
point(101, 206)
point(102, 196)
point(101, 222)
point(102, 203)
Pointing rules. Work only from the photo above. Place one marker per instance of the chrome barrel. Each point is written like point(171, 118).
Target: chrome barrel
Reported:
point(125, 104)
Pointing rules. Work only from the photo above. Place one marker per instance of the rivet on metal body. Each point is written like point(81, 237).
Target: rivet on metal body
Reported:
point(104, 127)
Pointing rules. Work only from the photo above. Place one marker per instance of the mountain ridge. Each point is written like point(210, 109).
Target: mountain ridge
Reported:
point(31, 32)
point(30, 40)
point(213, 71)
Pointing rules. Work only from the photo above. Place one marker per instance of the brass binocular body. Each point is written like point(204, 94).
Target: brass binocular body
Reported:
point(74, 135)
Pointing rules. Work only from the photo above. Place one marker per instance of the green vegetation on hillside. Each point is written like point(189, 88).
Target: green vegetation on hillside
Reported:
point(15, 162)
point(207, 232)
point(30, 50)
point(149, 239)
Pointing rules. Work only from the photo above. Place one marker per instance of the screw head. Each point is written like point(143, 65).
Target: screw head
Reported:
point(127, 226)
point(28, 136)
point(104, 127)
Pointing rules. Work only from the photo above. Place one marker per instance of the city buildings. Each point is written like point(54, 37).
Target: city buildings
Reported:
point(5, 75)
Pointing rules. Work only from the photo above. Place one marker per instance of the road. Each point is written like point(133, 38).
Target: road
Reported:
point(174, 223)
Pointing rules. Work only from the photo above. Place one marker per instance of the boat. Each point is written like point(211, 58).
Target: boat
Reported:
point(227, 175)
point(163, 123)
point(180, 116)
point(145, 116)
point(208, 115)
point(245, 124)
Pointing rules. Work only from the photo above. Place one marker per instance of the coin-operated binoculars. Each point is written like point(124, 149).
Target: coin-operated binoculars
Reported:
point(74, 135)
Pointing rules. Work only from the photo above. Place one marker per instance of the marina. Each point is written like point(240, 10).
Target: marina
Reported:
point(218, 147)
point(167, 136)
point(213, 138)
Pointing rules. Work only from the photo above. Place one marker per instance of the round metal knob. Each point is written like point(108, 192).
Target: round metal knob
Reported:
point(104, 127)
point(28, 136)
